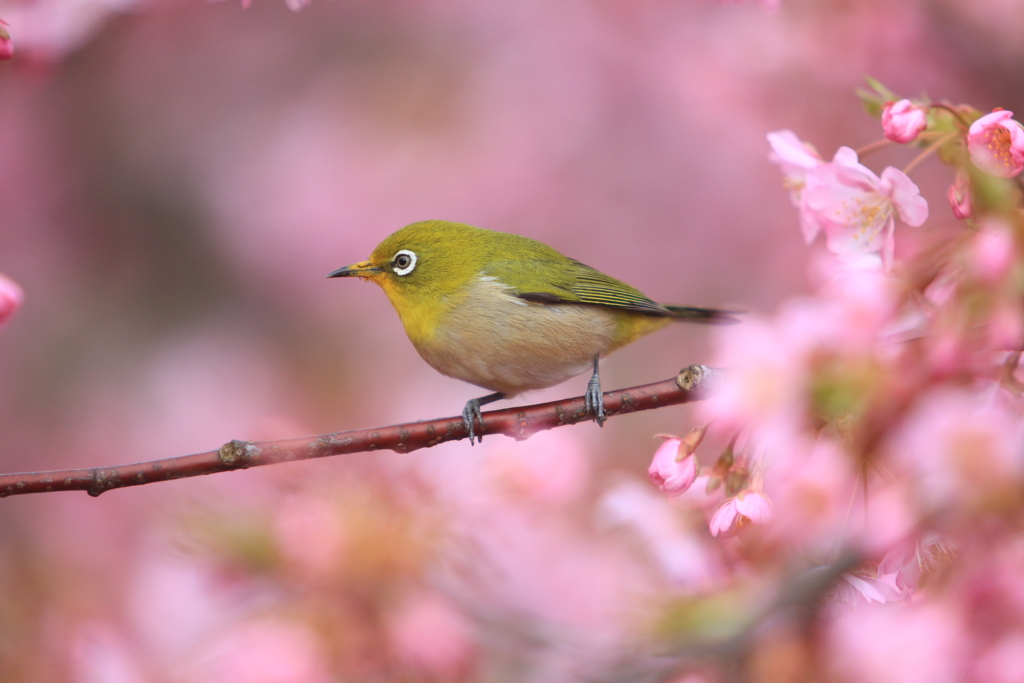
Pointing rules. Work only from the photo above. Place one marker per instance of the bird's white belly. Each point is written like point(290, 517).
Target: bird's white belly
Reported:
point(502, 343)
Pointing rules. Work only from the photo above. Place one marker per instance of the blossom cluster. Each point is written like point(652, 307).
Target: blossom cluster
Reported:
point(876, 429)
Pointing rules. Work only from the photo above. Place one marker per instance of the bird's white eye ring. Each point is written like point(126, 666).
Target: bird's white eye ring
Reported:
point(403, 262)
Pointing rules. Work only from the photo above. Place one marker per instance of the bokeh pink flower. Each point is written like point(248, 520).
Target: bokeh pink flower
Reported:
point(993, 252)
point(961, 449)
point(996, 144)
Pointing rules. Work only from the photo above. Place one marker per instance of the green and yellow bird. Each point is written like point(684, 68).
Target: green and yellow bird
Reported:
point(509, 313)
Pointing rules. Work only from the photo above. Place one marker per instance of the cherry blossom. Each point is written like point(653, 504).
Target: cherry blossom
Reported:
point(910, 559)
point(960, 448)
point(745, 507)
point(796, 158)
point(671, 471)
point(996, 144)
point(992, 252)
point(854, 587)
point(959, 196)
point(857, 208)
point(903, 121)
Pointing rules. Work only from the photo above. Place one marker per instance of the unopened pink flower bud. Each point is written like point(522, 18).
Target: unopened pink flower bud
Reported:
point(672, 471)
point(959, 195)
point(10, 297)
point(903, 121)
point(996, 144)
point(6, 46)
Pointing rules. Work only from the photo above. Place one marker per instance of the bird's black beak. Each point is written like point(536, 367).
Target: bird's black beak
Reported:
point(361, 269)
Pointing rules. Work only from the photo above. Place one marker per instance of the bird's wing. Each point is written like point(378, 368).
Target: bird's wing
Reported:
point(571, 282)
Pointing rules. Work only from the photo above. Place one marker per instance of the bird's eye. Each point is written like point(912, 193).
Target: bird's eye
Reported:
point(403, 262)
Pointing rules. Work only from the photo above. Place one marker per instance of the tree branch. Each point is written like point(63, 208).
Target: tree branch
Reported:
point(518, 423)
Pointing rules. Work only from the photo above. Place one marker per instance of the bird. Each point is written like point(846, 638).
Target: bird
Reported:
point(509, 313)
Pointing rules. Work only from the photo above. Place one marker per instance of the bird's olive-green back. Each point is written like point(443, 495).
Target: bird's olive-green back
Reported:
point(451, 256)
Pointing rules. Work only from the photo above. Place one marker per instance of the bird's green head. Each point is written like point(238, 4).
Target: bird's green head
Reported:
point(424, 266)
point(429, 258)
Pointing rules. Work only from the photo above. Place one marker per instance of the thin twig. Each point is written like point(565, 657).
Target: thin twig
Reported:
point(518, 423)
point(928, 150)
point(954, 111)
point(873, 147)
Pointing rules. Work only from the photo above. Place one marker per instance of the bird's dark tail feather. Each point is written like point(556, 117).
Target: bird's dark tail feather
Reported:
point(712, 316)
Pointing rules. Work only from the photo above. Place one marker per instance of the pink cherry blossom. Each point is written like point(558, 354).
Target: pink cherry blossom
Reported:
point(911, 559)
point(855, 309)
point(6, 46)
point(992, 251)
point(670, 471)
point(750, 394)
point(960, 448)
point(747, 506)
point(10, 297)
point(795, 157)
point(855, 587)
point(996, 144)
point(903, 121)
point(857, 209)
point(811, 494)
point(959, 196)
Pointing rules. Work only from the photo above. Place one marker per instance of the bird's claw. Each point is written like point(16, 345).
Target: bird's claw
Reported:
point(470, 414)
point(593, 401)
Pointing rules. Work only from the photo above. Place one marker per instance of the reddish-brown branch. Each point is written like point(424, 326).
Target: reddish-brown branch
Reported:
point(519, 423)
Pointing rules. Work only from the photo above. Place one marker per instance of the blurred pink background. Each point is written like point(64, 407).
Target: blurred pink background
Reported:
point(176, 180)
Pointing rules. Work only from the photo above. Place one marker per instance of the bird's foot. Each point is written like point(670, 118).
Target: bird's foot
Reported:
point(471, 414)
point(593, 401)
